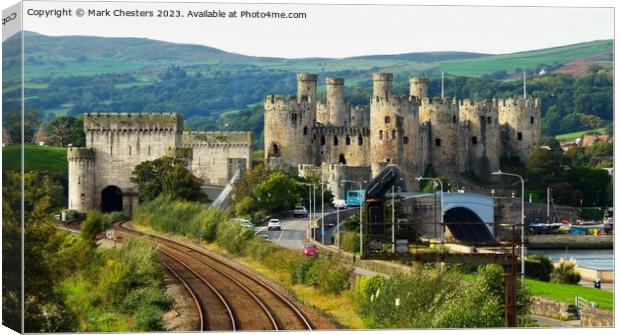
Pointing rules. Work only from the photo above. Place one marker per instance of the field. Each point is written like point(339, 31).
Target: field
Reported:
point(524, 60)
point(41, 158)
point(567, 293)
point(577, 134)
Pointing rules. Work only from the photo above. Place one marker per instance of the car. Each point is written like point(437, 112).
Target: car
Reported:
point(310, 250)
point(246, 223)
point(274, 224)
point(300, 211)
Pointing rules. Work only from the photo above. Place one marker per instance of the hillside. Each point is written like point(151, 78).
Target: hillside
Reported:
point(526, 60)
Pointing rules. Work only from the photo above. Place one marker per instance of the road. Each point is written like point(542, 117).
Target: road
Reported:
point(292, 235)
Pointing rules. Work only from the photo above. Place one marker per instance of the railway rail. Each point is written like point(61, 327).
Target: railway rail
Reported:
point(227, 297)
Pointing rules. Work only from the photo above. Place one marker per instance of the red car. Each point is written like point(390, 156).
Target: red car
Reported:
point(310, 250)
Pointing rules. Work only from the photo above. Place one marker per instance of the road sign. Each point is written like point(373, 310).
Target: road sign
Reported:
point(314, 224)
point(109, 234)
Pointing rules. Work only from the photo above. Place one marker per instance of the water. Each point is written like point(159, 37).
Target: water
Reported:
point(593, 259)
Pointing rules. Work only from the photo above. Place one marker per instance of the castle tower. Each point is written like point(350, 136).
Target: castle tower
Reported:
point(479, 140)
point(520, 126)
point(81, 178)
point(418, 87)
point(394, 128)
point(306, 87)
point(382, 84)
point(336, 106)
point(288, 125)
point(443, 119)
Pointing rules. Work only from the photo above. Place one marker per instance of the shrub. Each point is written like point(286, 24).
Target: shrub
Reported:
point(301, 269)
point(232, 236)
point(565, 272)
point(350, 241)
point(94, 224)
point(538, 267)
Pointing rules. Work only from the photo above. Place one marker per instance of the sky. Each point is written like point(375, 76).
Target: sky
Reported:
point(337, 31)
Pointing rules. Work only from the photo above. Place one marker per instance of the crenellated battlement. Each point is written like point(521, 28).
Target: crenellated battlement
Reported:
point(81, 154)
point(133, 121)
point(438, 101)
point(519, 102)
point(285, 103)
point(217, 138)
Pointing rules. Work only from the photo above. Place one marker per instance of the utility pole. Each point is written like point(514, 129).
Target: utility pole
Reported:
point(442, 90)
point(322, 210)
point(524, 86)
point(393, 223)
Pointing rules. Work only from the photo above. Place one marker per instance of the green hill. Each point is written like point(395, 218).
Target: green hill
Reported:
point(526, 60)
point(41, 158)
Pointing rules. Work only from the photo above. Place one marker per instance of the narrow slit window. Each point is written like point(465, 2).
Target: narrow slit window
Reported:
point(360, 140)
point(405, 139)
point(335, 140)
point(380, 134)
point(474, 140)
point(438, 142)
point(387, 119)
point(531, 120)
point(519, 136)
point(489, 120)
point(347, 140)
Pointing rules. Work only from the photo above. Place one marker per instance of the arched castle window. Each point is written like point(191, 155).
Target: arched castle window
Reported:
point(323, 140)
point(342, 160)
point(360, 140)
point(347, 140)
point(387, 119)
point(393, 134)
point(274, 150)
point(405, 139)
point(438, 142)
point(335, 139)
point(474, 140)
point(305, 131)
point(380, 134)
point(519, 136)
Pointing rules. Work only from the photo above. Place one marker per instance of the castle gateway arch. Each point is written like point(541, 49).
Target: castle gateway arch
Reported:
point(111, 199)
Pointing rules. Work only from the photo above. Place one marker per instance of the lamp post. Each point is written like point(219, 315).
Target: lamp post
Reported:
point(309, 211)
point(361, 208)
point(440, 201)
point(499, 172)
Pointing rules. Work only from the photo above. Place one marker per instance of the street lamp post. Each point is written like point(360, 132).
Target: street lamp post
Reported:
point(499, 172)
point(309, 211)
point(361, 216)
point(440, 201)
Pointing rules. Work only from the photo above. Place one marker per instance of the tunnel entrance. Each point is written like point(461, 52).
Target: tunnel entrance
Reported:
point(461, 214)
point(466, 226)
point(111, 199)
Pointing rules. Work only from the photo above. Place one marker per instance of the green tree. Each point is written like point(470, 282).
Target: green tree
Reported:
point(279, 192)
point(65, 130)
point(167, 176)
point(545, 165)
point(44, 306)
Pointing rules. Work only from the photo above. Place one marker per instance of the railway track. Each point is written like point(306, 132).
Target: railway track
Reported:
point(249, 303)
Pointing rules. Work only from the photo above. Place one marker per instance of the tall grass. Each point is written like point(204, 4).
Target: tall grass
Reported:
point(214, 225)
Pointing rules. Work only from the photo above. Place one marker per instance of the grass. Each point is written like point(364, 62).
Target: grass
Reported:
point(525, 60)
point(577, 134)
point(39, 158)
point(567, 293)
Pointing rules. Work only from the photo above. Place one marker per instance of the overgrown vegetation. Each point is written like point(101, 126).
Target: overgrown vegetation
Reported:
point(433, 298)
point(214, 225)
point(70, 284)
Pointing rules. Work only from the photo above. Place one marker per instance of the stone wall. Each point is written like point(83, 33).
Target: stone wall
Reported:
point(596, 317)
point(553, 309)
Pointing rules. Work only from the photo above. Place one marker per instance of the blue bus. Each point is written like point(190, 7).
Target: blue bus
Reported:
point(355, 198)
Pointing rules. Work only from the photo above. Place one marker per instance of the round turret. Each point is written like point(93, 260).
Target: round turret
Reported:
point(81, 178)
point(382, 84)
point(418, 87)
point(336, 105)
point(306, 86)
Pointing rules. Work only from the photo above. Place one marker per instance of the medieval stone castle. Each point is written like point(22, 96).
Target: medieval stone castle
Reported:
point(343, 141)
point(100, 173)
